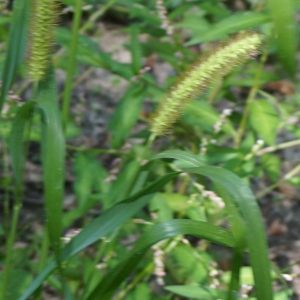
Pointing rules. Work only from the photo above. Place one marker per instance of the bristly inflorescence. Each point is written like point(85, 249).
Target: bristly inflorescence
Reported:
point(239, 49)
point(44, 16)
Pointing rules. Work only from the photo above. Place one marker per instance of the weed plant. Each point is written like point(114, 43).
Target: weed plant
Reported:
point(182, 184)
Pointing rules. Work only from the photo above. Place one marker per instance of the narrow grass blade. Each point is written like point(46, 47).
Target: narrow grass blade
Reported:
point(16, 45)
point(101, 226)
point(239, 199)
point(236, 223)
point(234, 23)
point(126, 114)
point(16, 146)
point(161, 231)
point(71, 63)
point(193, 159)
point(255, 231)
point(136, 50)
point(53, 158)
point(284, 18)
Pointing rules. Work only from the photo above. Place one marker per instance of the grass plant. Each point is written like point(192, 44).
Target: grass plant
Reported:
point(179, 194)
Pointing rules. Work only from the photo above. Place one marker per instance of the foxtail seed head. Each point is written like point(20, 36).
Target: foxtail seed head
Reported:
point(43, 19)
point(239, 49)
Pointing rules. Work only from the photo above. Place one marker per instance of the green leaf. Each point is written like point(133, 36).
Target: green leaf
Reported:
point(189, 266)
point(136, 50)
point(158, 232)
point(142, 291)
point(232, 189)
point(192, 159)
point(89, 53)
point(16, 45)
point(53, 158)
point(119, 188)
point(234, 23)
point(286, 32)
point(177, 202)
point(264, 120)
point(160, 207)
point(21, 120)
point(202, 114)
point(271, 165)
point(18, 279)
point(106, 223)
point(192, 292)
point(240, 200)
point(126, 114)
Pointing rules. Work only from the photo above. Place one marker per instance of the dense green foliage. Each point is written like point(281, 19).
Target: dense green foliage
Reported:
point(162, 204)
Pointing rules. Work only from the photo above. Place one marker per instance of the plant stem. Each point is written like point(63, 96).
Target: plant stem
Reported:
point(71, 63)
point(277, 147)
point(10, 245)
point(42, 259)
point(6, 190)
point(14, 224)
point(96, 15)
point(250, 99)
point(287, 176)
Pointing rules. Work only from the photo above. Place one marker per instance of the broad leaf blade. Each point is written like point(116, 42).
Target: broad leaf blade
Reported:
point(264, 120)
point(284, 18)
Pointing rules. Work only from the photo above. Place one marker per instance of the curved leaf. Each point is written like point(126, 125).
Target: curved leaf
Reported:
point(107, 222)
point(158, 232)
point(264, 120)
point(239, 199)
point(255, 231)
point(234, 23)
point(193, 159)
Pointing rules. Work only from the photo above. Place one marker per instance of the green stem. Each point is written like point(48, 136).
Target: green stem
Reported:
point(250, 99)
point(97, 15)
point(42, 260)
point(71, 63)
point(287, 176)
point(10, 245)
point(138, 278)
point(6, 191)
point(277, 147)
point(14, 224)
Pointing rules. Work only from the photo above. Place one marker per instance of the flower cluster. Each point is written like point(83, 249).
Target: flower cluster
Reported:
point(218, 125)
point(162, 13)
point(159, 270)
point(257, 146)
point(12, 101)
point(70, 235)
point(210, 195)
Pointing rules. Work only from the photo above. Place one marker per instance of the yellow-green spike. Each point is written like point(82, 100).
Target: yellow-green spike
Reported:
point(239, 49)
point(43, 19)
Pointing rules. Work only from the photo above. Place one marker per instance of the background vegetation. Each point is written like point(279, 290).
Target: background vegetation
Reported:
point(109, 213)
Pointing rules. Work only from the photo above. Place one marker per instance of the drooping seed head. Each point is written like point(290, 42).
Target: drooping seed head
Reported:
point(44, 16)
point(239, 49)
